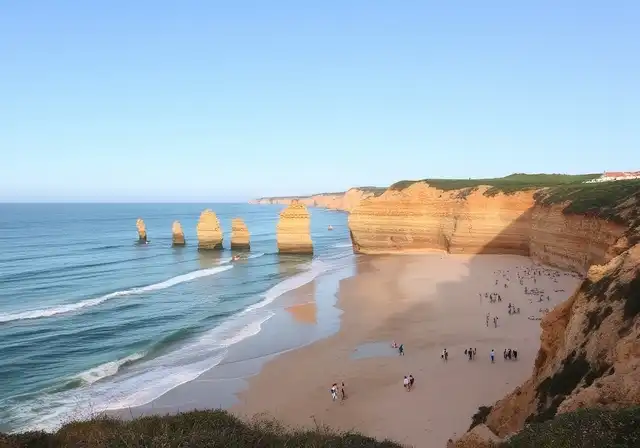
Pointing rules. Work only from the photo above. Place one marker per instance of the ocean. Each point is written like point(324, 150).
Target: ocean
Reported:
point(91, 319)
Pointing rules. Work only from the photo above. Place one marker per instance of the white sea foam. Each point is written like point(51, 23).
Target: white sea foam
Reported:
point(342, 245)
point(63, 309)
point(107, 369)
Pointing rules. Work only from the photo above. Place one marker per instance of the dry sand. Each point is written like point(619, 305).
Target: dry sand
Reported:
point(428, 303)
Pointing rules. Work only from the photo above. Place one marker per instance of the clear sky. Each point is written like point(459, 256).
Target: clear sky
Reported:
point(188, 101)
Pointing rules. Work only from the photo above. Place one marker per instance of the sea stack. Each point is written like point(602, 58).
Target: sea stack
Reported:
point(294, 230)
point(209, 231)
point(177, 234)
point(142, 231)
point(239, 234)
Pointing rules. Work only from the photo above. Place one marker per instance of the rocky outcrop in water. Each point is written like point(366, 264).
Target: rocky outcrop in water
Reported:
point(209, 231)
point(240, 237)
point(294, 230)
point(142, 231)
point(177, 234)
point(421, 218)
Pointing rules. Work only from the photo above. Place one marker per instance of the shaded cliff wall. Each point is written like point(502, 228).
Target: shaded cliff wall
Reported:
point(421, 218)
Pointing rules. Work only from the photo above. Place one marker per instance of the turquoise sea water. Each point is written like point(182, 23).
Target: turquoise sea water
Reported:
point(89, 316)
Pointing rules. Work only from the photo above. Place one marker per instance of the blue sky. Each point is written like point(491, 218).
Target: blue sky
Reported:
point(189, 101)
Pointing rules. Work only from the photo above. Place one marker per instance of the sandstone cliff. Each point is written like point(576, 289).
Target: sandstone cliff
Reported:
point(239, 234)
point(142, 230)
point(177, 234)
point(589, 354)
point(422, 218)
point(209, 231)
point(293, 232)
point(335, 201)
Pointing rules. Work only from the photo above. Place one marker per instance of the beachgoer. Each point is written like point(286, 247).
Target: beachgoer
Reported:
point(411, 381)
point(515, 354)
point(446, 354)
point(401, 350)
point(474, 352)
point(470, 354)
point(334, 392)
point(493, 355)
point(406, 383)
point(343, 394)
point(504, 354)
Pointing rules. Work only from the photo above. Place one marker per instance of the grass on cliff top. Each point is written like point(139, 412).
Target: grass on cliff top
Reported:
point(585, 428)
point(508, 184)
point(602, 199)
point(196, 429)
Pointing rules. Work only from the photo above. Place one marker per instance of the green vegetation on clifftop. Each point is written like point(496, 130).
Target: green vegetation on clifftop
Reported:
point(196, 429)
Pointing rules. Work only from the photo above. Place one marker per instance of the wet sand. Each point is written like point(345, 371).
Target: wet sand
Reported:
point(428, 303)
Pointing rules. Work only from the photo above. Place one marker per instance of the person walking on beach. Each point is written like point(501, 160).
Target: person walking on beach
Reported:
point(470, 354)
point(406, 383)
point(411, 381)
point(343, 394)
point(493, 356)
point(515, 354)
point(334, 392)
point(401, 350)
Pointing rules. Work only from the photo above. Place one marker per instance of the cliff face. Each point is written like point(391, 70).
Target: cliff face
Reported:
point(339, 201)
point(239, 234)
point(293, 232)
point(177, 234)
point(421, 218)
point(142, 230)
point(590, 350)
point(209, 231)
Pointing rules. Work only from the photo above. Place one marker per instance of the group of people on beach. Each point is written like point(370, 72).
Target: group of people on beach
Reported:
point(335, 390)
point(399, 347)
point(408, 382)
point(511, 354)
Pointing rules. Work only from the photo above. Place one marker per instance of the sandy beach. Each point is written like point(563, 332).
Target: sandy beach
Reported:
point(427, 303)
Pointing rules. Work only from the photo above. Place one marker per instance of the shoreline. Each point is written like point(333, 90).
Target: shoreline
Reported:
point(425, 302)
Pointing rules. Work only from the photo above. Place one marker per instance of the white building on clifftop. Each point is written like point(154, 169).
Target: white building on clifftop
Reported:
point(609, 176)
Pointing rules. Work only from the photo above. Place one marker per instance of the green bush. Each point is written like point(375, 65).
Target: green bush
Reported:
point(585, 428)
point(212, 428)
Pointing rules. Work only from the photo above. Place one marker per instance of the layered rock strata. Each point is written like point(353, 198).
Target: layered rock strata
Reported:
point(209, 231)
point(293, 232)
point(421, 218)
point(177, 234)
point(240, 237)
point(142, 230)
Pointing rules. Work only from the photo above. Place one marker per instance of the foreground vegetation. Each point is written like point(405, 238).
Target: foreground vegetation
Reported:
point(585, 428)
point(196, 429)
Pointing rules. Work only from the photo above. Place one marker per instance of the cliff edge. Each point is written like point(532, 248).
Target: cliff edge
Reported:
point(344, 201)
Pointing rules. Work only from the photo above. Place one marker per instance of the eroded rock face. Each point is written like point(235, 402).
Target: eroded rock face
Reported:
point(240, 237)
point(590, 350)
point(177, 234)
point(294, 230)
point(421, 218)
point(209, 231)
point(142, 230)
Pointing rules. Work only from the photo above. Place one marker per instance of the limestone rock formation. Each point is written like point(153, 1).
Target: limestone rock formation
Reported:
point(589, 354)
point(177, 234)
point(421, 218)
point(142, 230)
point(240, 237)
point(294, 230)
point(209, 231)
